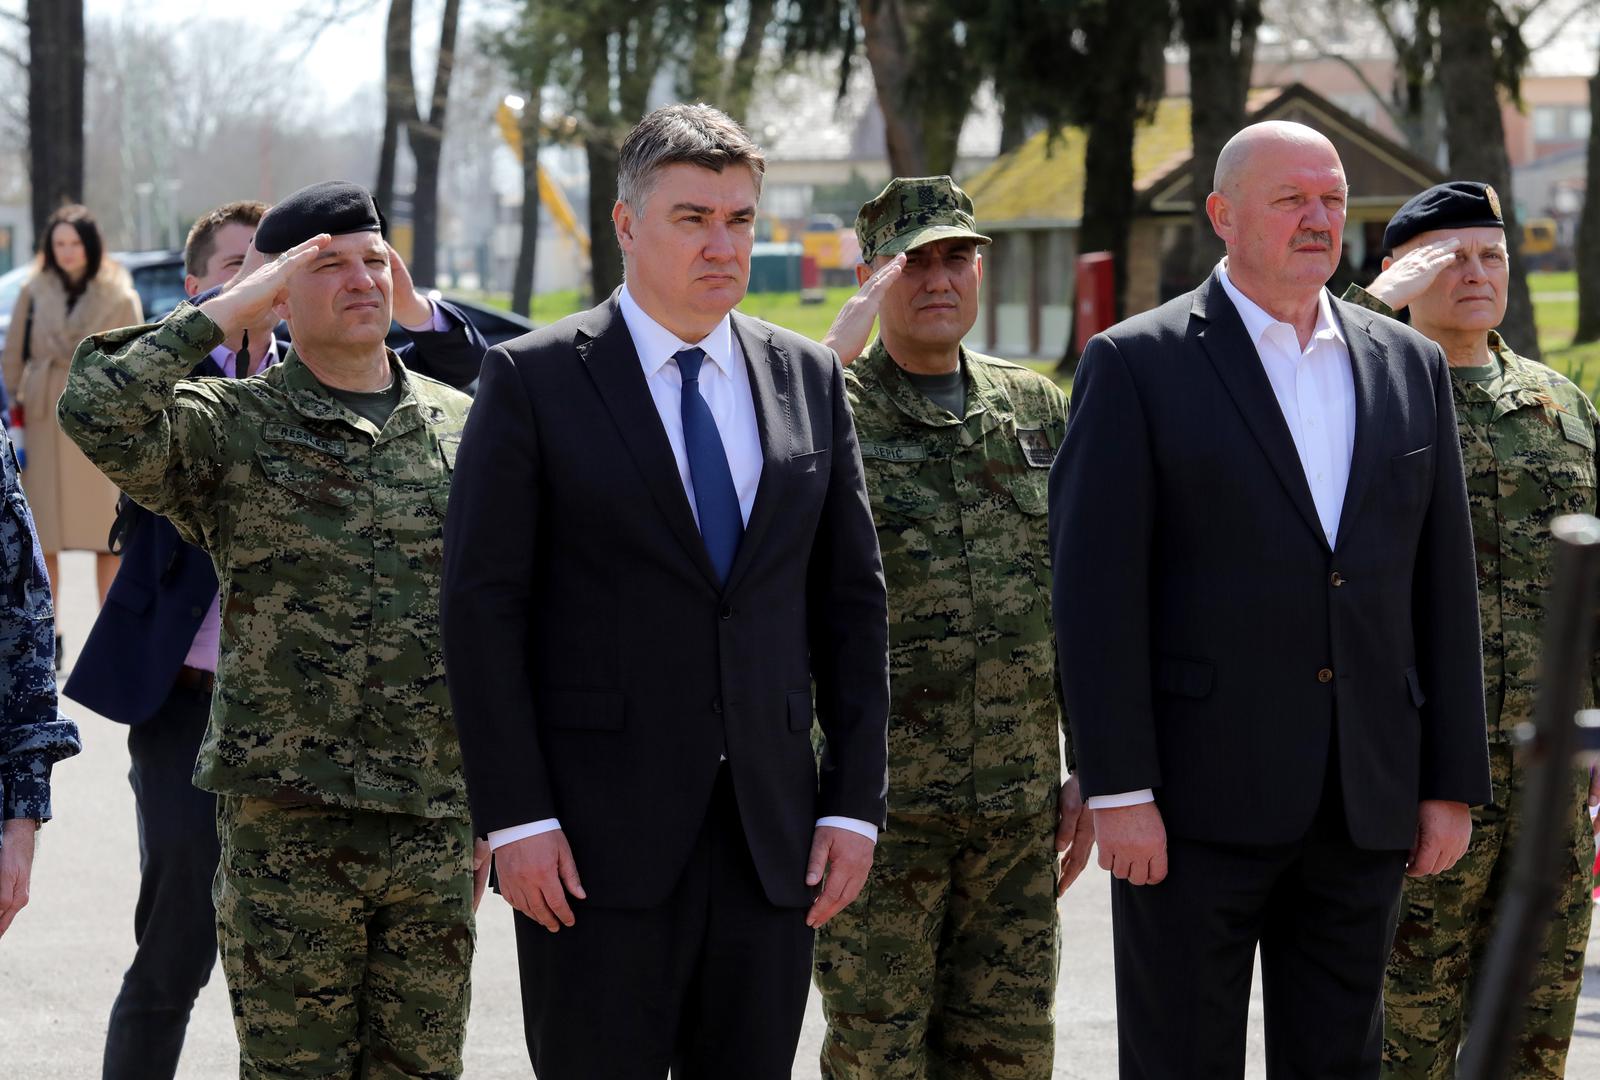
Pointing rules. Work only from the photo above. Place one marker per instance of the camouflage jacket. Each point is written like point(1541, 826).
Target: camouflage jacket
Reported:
point(960, 506)
point(1528, 445)
point(327, 535)
point(33, 737)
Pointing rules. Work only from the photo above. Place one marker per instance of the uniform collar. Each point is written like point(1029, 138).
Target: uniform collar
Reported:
point(988, 404)
point(311, 399)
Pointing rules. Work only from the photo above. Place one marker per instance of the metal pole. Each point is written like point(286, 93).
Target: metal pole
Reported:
point(1531, 892)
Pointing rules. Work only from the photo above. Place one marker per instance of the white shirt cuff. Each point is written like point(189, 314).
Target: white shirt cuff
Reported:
point(850, 824)
point(1098, 802)
point(501, 837)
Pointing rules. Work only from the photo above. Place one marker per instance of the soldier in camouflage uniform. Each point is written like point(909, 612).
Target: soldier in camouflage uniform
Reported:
point(1528, 439)
point(345, 889)
point(33, 736)
point(946, 966)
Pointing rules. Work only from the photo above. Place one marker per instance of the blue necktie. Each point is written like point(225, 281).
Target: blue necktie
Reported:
point(715, 498)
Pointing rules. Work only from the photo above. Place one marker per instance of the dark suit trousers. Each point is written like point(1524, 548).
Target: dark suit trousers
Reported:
point(1323, 913)
point(173, 924)
point(712, 984)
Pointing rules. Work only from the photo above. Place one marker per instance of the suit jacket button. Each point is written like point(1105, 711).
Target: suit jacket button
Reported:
point(716, 706)
point(1325, 675)
point(1336, 580)
point(726, 611)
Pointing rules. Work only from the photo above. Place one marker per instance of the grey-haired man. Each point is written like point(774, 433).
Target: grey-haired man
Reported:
point(658, 541)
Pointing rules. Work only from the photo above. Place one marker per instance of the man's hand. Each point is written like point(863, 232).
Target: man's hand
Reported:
point(1444, 829)
point(410, 308)
point(853, 326)
point(1409, 276)
point(1074, 834)
point(840, 861)
point(482, 858)
point(1133, 843)
point(16, 868)
point(250, 301)
point(536, 874)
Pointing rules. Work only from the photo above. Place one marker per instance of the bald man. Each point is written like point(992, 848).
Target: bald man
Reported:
point(1267, 617)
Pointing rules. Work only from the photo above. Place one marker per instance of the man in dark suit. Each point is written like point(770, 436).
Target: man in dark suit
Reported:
point(1265, 605)
point(150, 663)
point(658, 541)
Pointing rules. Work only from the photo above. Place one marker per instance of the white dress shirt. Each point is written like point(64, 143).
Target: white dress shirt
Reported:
point(725, 385)
point(1316, 391)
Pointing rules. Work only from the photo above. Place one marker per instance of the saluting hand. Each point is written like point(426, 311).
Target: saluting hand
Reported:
point(249, 300)
point(853, 326)
point(1409, 276)
point(840, 861)
point(536, 873)
point(1074, 834)
point(1133, 843)
point(410, 307)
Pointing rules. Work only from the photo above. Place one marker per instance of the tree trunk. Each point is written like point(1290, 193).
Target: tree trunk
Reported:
point(1131, 53)
point(399, 98)
point(55, 106)
point(746, 62)
point(1221, 36)
point(427, 140)
point(889, 54)
point(522, 282)
point(600, 150)
point(703, 78)
point(1477, 142)
point(1588, 252)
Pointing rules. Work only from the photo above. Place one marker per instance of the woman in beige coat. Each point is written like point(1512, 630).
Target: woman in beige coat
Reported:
point(74, 292)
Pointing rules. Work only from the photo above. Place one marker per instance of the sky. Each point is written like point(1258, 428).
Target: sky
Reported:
point(344, 59)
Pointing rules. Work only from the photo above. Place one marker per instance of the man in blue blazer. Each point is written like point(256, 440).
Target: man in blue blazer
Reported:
point(1267, 615)
point(150, 662)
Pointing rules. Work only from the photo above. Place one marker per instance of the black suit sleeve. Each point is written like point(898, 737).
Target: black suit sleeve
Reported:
point(848, 625)
point(487, 602)
point(452, 356)
point(1102, 511)
point(1455, 763)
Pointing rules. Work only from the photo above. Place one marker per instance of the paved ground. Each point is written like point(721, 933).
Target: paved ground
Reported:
point(62, 961)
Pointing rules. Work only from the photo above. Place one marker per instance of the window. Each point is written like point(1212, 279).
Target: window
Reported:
point(1547, 123)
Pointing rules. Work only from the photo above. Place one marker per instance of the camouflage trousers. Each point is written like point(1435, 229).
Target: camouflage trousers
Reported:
point(1442, 939)
point(347, 939)
point(945, 966)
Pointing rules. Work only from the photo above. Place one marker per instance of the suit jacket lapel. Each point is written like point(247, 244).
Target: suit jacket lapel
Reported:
point(1227, 344)
point(612, 362)
point(1372, 403)
point(769, 387)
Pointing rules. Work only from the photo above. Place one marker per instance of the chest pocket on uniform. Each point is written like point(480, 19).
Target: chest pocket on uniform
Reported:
point(900, 487)
point(324, 481)
point(1031, 490)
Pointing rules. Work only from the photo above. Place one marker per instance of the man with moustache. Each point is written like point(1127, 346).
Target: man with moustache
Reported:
point(1269, 644)
point(659, 560)
point(1528, 439)
point(345, 883)
point(150, 662)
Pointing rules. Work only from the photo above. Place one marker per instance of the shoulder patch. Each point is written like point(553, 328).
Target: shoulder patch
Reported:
point(1036, 448)
point(301, 437)
point(894, 451)
point(1577, 429)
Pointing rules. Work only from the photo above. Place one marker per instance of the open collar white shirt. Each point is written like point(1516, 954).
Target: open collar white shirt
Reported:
point(725, 386)
point(1316, 391)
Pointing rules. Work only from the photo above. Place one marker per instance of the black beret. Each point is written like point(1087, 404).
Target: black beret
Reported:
point(1458, 204)
point(334, 207)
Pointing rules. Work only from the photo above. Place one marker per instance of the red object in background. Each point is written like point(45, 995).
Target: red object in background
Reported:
point(1097, 297)
point(810, 272)
point(16, 434)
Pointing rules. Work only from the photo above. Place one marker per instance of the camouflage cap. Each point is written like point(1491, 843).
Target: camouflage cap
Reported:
point(913, 211)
